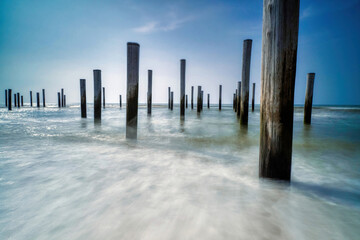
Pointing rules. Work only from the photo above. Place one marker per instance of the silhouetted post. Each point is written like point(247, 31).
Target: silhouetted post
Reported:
point(22, 101)
point(62, 97)
point(15, 105)
point(43, 93)
point(6, 98)
point(171, 101)
point(220, 94)
point(169, 98)
point(198, 108)
point(64, 100)
point(103, 97)
point(253, 98)
point(182, 88)
point(202, 100)
point(31, 101)
point(120, 101)
point(244, 106)
point(186, 101)
point(38, 99)
point(83, 97)
point(9, 99)
point(192, 97)
point(309, 98)
point(238, 100)
point(18, 100)
point(149, 93)
point(236, 97)
point(208, 100)
point(97, 95)
point(59, 101)
point(279, 52)
point(133, 50)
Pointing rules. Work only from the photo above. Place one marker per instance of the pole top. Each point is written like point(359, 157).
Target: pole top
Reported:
point(133, 44)
point(248, 40)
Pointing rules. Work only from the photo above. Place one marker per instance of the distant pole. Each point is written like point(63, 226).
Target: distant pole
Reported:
point(253, 98)
point(182, 88)
point(31, 100)
point(238, 100)
point(22, 101)
point(15, 105)
point(236, 97)
point(18, 100)
point(120, 101)
point(192, 97)
point(171, 101)
point(186, 101)
point(62, 97)
point(64, 100)
point(43, 93)
point(169, 97)
point(198, 108)
point(83, 97)
point(6, 98)
point(103, 97)
point(133, 51)
point(208, 100)
point(97, 95)
point(202, 100)
point(59, 101)
point(9, 99)
point(244, 106)
point(309, 98)
point(220, 94)
point(279, 52)
point(149, 93)
point(38, 99)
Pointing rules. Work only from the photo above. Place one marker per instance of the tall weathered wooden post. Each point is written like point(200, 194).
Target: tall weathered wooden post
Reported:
point(6, 98)
point(238, 100)
point(234, 99)
point(38, 99)
point(22, 100)
point(59, 101)
point(120, 101)
point(220, 94)
point(9, 99)
point(15, 105)
point(253, 98)
point(62, 97)
point(192, 97)
point(244, 104)
point(182, 88)
point(279, 52)
point(198, 108)
point(31, 100)
point(43, 94)
point(169, 97)
point(64, 100)
point(133, 50)
point(103, 95)
point(186, 101)
point(83, 97)
point(18, 100)
point(97, 95)
point(208, 100)
point(149, 92)
point(171, 101)
point(309, 98)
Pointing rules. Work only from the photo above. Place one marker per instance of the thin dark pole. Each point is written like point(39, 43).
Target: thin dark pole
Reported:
point(149, 93)
point(208, 100)
point(186, 101)
point(15, 105)
point(244, 104)
point(236, 97)
point(192, 97)
point(220, 95)
point(309, 98)
point(120, 101)
point(64, 100)
point(97, 95)
point(18, 100)
point(22, 101)
point(31, 100)
point(103, 97)
point(59, 101)
point(182, 88)
point(43, 93)
point(198, 108)
point(83, 98)
point(171, 101)
point(62, 97)
point(6, 98)
point(169, 97)
point(9, 99)
point(38, 99)
point(238, 101)
point(253, 98)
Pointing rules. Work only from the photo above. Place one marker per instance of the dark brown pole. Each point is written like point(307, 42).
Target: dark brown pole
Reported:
point(171, 101)
point(103, 95)
point(192, 97)
point(182, 88)
point(43, 93)
point(9, 99)
point(253, 98)
point(149, 93)
point(244, 104)
point(18, 100)
point(208, 100)
point(133, 52)
point(234, 99)
point(22, 101)
point(83, 98)
point(238, 100)
point(15, 105)
point(38, 99)
point(309, 98)
point(120, 101)
point(169, 97)
point(62, 97)
point(97, 95)
point(198, 108)
point(202, 100)
point(31, 100)
point(279, 52)
point(59, 101)
point(186, 101)
point(220, 95)
point(64, 100)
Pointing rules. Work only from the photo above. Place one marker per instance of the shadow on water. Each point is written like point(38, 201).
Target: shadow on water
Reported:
point(329, 193)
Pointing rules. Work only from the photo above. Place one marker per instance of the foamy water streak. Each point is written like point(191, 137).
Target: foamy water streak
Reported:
point(62, 177)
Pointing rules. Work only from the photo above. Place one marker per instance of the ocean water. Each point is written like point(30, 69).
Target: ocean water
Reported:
point(63, 177)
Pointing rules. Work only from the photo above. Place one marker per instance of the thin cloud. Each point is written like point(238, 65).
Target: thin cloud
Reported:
point(324, 7)
point(165, 25)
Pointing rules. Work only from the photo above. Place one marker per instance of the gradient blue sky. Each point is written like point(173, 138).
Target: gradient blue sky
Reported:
point(52, 44)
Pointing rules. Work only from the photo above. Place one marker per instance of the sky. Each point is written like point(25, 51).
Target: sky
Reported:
point(52, 44)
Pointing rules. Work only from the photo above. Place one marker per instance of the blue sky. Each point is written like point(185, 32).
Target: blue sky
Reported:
point(52, 44)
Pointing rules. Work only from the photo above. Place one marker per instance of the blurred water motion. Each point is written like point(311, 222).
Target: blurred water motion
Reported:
point(63, 177)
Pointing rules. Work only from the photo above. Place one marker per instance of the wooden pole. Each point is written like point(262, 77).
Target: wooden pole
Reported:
point(202, 100)
point(6, 98)
point(238, 100)
point(97, 95)
point(59, 101)
point(182, 88)
point(38, 99)
point(253, 98)
point(18, 100)
point(120, 101)
point(186, 101)
point(43, 94)
point(15, 105)
point(172, 101)
point(244, 105)
point(149, 93)
point(198, 108)
point(208, 101)
point(64, 100)
point(103, 95)
point(220, 95)
point(192, 97)
point(31, 100)
point(9, 99)
point(133, 50)
point(279, 52)
point(169, 97)
point(236, 95)
point(62, 97)
point(83, 97)
point(22, 101)
point(309, 98)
